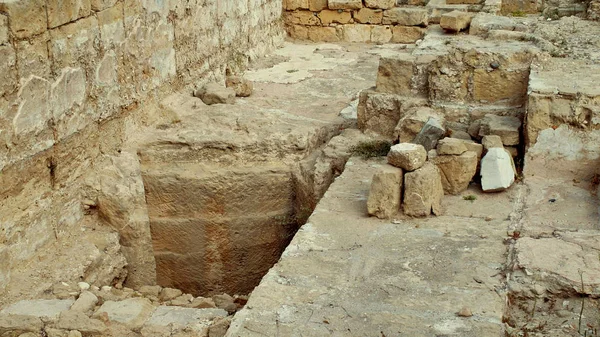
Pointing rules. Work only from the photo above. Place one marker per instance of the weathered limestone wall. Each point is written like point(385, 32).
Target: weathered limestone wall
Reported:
point(377, 21)
point(77, 79)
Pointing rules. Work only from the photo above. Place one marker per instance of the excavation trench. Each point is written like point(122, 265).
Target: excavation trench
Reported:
point(218, 225)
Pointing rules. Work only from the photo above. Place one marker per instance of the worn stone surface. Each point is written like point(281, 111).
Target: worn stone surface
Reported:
point(344, 4)
point(429, 135)
point(214, 93)
point(378, 111)
point(182, 317)
point(132, 312)
point(76, 320)
point(497, 172)
point(451, 146)
point(455, 21)
point(423, 191)
point(19, 322)
point(382, 4)
point(507, 127)
point(457, 171)
point(405, 16)
point(369, 16)
point(44, 309)
point(407, 156)
point(385, 192)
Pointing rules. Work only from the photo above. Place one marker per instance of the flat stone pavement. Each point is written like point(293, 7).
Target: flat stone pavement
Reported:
point(347, 274)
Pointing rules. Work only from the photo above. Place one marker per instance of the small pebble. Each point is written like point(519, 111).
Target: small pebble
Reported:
point(83, 285)
point(495, 65)
point(465, 312)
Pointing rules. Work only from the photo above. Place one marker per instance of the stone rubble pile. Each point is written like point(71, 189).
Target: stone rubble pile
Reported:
point(82, 310)
point(416, 179)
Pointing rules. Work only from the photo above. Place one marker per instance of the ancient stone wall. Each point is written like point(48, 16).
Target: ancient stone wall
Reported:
point(77, 78)
point(377, 21)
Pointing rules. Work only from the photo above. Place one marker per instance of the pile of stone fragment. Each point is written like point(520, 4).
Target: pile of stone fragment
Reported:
point(72, 310)
point(419, 173)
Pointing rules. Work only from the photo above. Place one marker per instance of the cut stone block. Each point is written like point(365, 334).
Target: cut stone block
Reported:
point(61, 11)
point(323, 34)
point(292, 5)
point(27, 18)
point(407, 34)
point(456, 21)
point(403, 74)
point(317, 5)
point(381, 34)
point(381, 4)
point(407, 156)
point(378, 112)
point(491, 141)
point(463, 2)
point(497, 173)
point(357, 33)
point(330, 16)
point(409, 125)
point(345, 4)
point(423, 191)
point(48, 310)
point(451, 146)
point(507, 127)
point(132, 312)
point(475, 147)
point(429, 135)
point(385, 192)
point(406, 16)
point(459, 134)
point(457, 171)
point(367, 15)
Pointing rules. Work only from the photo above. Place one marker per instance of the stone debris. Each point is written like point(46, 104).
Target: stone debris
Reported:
point(497, 171)
point(126, 312)
point(465, 312)
point(241, 86)
point(457, 171)
point(507, 127)
point(386, 191)
point(491, 141)
point(475, 147)
point(214, 93)
point(412, 122)
point(451, 146)
point(423, 191)
point(407, 156)
point(429, 135)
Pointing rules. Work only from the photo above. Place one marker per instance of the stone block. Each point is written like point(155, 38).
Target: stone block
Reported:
point(302, 18)
point(3, 29)
point(100, 5)
point(523, 6)
point(12, 323)
point(73, 44)
point(68, 95)
point(423, 191)
point(412, 122)
point(34, 110)
point(457, 171)
point(27, 18)
point(463, 2)
point(497, 173)
point(367, 15)
point(474, 147)
point(64, 11)
point(8, 70)
point(77, 320)
point(406, 16)
point(85, 303)
point(429, 135)
point(357, 33)
point(33, 57)
point(298, 32)
point(292, 5)
point(407, 34)
point(403, 74)
point(345, 4)
point(380, 4)
point(323, 34)
point(385, 193)
point(491, 141)
point(456, 21)
point(507, 127)
point(132, 312)
point(47, 310)
point(179, 317)
point(378, 112)
point(317, 5)
point(381, 34)
point(484, 22)
point(499, 85)
point(407, 156)
point(112, 30)
point(451, 146)
point(329, 16)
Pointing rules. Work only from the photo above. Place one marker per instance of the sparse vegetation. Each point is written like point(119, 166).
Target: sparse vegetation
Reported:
point(470, 197)
point(519, 14)
point(371, 149)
